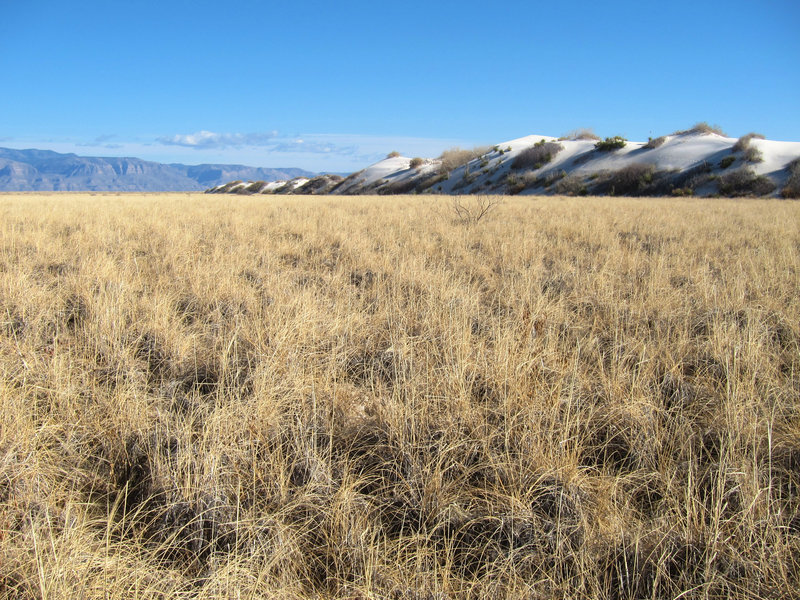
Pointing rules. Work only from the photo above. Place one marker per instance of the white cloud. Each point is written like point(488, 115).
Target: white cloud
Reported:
point(209, 139)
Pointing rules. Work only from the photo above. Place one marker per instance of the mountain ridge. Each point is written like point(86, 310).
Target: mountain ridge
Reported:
point(45, 170)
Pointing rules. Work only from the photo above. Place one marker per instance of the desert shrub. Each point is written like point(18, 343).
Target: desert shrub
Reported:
point(255, 188)
point(554, 176)
point(406, 186)
point(792, 187)
point(531, 180)
point(753, 155)
point(653, 143)
point(702, 128)
point(584, 133)
point(393, 154)
point(692, 178)
point(348, 183)
point(611, 143)
point(727, 162)
point(743, 143)
point(514, 184)
point(231, 187)
point(321, 184)
point(583, 157)
point(695, 181)
point(412, 185)
point(416, 162)
point(632, 180)
point(571, 185)
point(745, 182)
point(456, 157)
point(538, 155)
point(684, 191)
point(430, 179)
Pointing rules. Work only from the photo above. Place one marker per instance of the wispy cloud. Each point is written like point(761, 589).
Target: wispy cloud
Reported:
point(209, 139)
point(102, 141)
point(313, 147)
point(270, 143)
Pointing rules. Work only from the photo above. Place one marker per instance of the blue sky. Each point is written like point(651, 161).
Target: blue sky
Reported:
point(335, 85)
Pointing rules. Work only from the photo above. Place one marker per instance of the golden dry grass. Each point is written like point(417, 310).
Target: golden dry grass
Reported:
point(297, 397)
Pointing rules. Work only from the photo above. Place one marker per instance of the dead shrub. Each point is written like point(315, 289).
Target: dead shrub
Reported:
point(701, 128)
point(743, 143)
point(653, 143)
point(457, 157)
point(753, 155)
point(584, 133)
point(472, 211)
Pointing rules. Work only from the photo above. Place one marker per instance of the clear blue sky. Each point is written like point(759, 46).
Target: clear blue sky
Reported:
point(335, 85)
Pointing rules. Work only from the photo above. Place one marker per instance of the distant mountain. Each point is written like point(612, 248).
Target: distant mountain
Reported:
point(700, 161)
point(45, 170)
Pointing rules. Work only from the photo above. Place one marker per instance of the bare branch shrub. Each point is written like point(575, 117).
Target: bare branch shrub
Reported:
point(472, 210)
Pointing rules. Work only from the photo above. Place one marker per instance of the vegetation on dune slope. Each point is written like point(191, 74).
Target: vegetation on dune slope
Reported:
point(303, 397)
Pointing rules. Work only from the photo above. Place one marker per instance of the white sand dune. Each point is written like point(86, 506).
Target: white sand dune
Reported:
point(696, 162)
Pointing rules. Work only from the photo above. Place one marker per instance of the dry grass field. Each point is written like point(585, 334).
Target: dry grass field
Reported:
point(368, 398)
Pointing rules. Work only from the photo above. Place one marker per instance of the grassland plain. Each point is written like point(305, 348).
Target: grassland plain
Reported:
point(367, 397)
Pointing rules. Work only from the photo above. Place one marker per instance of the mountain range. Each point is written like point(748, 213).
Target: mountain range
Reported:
point(45, 170)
